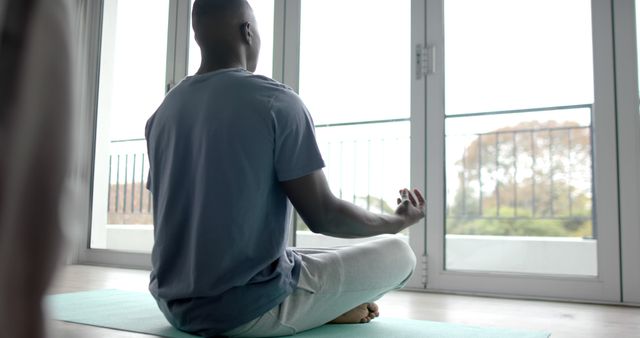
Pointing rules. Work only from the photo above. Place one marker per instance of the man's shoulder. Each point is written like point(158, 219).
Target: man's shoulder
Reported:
point(268, 83)
point(280, 97)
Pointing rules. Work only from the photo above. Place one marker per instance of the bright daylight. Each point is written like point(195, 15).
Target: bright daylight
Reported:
point(334, 168)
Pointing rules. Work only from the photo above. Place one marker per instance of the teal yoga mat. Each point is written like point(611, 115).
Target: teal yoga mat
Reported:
point(138, 312)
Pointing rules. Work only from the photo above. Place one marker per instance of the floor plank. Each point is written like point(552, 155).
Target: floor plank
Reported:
point(563, 320)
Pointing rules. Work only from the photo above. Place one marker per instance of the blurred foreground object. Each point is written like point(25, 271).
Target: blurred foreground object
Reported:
point(35, 111)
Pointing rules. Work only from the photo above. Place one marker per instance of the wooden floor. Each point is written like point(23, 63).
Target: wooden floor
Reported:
point(561, 319)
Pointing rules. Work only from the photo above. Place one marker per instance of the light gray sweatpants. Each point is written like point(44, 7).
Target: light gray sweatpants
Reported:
point(332, 282)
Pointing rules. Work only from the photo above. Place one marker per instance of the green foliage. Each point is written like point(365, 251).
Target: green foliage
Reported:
point(531, 179)
point(523, 225)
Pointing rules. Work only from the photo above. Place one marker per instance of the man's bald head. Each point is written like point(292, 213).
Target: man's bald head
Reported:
point(226, 32)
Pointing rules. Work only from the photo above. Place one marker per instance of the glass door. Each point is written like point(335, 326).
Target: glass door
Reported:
point(525, 129)
point(132, 75)
point(355, 78)
point(518, 137)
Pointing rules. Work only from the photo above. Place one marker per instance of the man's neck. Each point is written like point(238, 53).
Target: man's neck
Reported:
point(208, 67)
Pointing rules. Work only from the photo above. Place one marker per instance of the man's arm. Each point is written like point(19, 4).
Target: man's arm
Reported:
point(328, 215)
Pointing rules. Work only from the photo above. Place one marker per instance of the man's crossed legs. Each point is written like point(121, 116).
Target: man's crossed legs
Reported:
point(338, 285)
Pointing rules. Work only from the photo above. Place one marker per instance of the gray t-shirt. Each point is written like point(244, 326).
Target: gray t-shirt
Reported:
point(219, 145)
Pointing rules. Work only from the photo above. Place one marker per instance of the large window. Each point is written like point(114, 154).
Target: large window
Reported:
point(502, 111)
point(518, 135)
point(358, 93)
point(132, 77)
point(519, 126)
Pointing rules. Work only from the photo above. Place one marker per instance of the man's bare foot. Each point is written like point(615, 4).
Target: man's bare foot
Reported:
point(360, 314)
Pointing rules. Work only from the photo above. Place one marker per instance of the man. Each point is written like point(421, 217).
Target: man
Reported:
point(227, 149)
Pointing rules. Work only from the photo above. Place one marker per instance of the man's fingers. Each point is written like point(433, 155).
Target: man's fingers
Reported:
point(404, 194)
point(419, 196)
point(412, 199)
point(408, 197)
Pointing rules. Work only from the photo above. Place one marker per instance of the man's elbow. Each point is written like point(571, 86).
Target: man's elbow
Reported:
point(323, 220)
point(315, 229)
point(317, 225)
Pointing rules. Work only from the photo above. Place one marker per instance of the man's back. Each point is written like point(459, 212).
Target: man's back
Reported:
point(218, 147)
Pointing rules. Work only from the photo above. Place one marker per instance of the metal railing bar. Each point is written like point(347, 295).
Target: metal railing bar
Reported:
point(149, 199)
point(570, 169)
point(109, 186)
point(124, 193)
point(341, 167)
point(133, 183)
point(515, 175)
point(381, 166)
point(533, 174)
point(517, 131)
point(480, 201)
point(551, 174)
point(464, 181)
point(520, 111)
point(328, 172)
point(594, 200)
point(497, 163)
point(326, 125)
point(117, 182)
point(128, 140)
point(562, 218)
point(141, 183)
point(355, 169)
point(357, 123)
point(369, 174)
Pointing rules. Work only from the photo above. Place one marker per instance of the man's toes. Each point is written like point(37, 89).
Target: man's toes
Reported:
point(373, 308)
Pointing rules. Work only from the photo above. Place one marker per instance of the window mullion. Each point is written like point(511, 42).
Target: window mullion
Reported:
point(287, 50)
point(417, 233)
point(286, 61)
point(88, 40)
point(604, 154)
point(182, 40)
point(177, 42)
point(279, 39)
point(628, 128)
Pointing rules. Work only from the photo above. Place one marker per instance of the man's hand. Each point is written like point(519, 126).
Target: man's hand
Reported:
point(410, 207)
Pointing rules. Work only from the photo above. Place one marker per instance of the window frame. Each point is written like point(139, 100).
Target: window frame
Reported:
point(603, 288)
point(89, 39)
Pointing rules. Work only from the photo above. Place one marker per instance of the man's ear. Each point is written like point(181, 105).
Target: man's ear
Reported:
point(247, 33)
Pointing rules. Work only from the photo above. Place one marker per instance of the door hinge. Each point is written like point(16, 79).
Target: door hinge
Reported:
point(425, 60)
point(425, 270)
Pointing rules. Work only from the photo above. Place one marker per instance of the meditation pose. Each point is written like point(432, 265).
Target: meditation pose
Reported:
point(228, 149)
